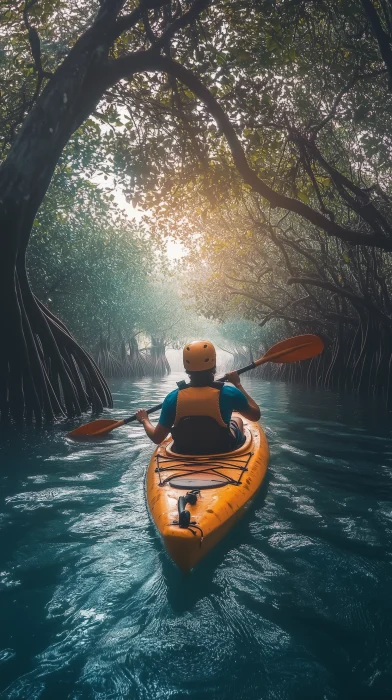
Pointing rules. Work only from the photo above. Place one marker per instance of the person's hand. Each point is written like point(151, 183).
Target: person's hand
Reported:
point(141, 415)
point(233, 378)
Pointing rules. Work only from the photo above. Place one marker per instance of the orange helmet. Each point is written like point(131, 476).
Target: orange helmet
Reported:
point(199, 355)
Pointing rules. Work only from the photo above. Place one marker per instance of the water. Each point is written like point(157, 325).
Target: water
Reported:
point(294, 604)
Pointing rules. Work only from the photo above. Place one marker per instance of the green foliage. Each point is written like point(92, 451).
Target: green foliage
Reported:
point(305, 87)
point(58, 24)
point(88, 262)
point(241, 336)
point(171, 315)
point(101, 273)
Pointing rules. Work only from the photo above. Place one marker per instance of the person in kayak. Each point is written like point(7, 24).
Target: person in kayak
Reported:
point(199, 414)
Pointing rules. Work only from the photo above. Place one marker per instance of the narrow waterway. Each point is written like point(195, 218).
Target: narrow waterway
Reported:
point(293, 605)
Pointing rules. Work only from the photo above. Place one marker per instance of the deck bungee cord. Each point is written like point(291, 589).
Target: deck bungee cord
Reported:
point(192, 474)
point(206, 465)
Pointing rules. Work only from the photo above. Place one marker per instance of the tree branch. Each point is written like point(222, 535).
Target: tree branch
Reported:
point(345, 89)
point(109, 10)
point(354, 298)
point(293, 319)
point(35, 46)
point(364, 207)
point(147, 28)
point(128, 21)
point(121, 69)
point(383, 39)
point(182, 21)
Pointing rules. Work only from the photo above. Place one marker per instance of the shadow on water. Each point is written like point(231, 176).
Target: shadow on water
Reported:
point(293, 605)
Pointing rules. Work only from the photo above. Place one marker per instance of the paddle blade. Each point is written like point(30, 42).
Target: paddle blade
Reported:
point(301, 347)
point(95, 428)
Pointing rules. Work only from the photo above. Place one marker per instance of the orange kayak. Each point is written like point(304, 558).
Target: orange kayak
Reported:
point(195, 500)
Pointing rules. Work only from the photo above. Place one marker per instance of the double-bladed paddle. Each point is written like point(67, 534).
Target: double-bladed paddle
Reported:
point(301, 347)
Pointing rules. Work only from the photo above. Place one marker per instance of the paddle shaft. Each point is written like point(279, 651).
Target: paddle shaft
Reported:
point(159, 406)
point(149, 410)
point(242, 370)
point(252, 365)
point(301, 347)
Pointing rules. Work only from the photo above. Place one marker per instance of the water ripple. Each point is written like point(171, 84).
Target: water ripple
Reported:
point(295, 604)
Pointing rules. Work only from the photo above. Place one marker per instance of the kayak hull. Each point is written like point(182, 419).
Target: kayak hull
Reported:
point(225, 486)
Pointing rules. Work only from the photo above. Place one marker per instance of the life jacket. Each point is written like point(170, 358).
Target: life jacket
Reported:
point(198, 425)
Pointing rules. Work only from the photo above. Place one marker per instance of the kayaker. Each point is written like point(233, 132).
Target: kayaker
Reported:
point(199, 414)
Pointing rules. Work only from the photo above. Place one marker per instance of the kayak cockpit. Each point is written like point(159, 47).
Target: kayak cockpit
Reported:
point(169, 452)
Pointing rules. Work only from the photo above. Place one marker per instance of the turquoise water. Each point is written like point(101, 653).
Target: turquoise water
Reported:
point(294, 604)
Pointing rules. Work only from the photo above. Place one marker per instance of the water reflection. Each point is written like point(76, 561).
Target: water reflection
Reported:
point(293, 604)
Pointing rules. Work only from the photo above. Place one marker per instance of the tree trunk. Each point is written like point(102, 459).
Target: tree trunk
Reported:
point(43, 371)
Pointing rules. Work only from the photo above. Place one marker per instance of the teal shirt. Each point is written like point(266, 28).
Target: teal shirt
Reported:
point(231, 399)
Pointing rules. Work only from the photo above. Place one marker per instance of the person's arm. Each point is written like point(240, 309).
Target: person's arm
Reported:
point(156, 433)
point(253, 410)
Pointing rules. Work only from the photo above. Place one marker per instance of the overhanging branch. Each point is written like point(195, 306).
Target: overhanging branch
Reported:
point(354, 298)
point(383, 39)
point(128, 21)
point(154, 62)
